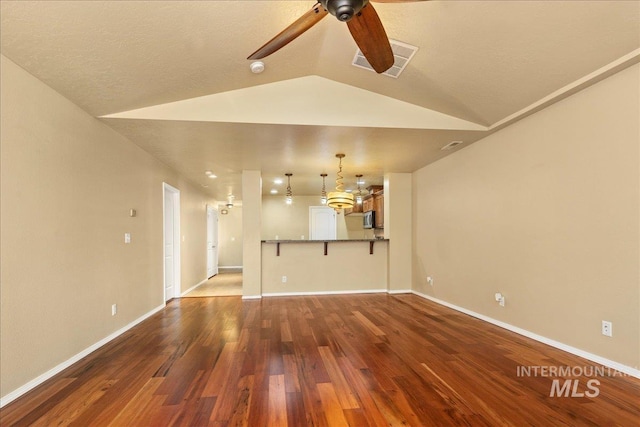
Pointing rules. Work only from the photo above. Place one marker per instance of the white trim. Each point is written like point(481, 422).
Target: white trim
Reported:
point(10, 397)
point(356, 291)
point(634, 372)
point(193, 287)
point(229, 267)
point(399, 291)
point(251, 296)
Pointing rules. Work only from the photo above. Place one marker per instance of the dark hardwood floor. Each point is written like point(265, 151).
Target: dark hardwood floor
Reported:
point(359, 360)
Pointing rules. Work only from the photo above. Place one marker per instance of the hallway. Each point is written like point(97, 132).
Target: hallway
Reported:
point(226, 283)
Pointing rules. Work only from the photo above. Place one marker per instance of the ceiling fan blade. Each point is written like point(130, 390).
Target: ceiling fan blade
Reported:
point(371, 38)
point(302, 24)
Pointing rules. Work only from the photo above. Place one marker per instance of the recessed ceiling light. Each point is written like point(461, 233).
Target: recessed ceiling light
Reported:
point(277, 181)
point(212, 176)
point(208, 173)
point(274, 191)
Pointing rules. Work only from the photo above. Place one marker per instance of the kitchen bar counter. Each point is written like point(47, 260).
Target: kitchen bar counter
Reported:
point(326, 243)
point(299, 267)
point(331, 240)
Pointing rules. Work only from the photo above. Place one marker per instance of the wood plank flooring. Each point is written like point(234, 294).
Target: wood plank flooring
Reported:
point(358, 360)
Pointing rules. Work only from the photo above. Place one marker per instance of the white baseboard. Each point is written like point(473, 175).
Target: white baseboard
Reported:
point(10, 397)
point(193, 287)
point(293, 294)
point(251, 296)
point(230, 267)
point(400, 291)
point(634, 372)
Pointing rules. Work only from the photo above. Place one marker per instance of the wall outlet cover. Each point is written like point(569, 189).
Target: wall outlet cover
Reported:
point(607, 328)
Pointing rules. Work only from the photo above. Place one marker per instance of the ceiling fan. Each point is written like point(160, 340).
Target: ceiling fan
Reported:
point(361, 18)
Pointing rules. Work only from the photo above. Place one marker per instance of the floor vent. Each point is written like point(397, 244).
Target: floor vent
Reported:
point(402, 54)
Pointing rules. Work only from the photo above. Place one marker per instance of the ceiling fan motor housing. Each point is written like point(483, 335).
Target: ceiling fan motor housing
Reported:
point(344, 10)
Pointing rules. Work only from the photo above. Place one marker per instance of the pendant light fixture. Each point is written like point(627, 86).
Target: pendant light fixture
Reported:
point(323, 194)
point(289, 198)
point(340, 199)
point(359, 194)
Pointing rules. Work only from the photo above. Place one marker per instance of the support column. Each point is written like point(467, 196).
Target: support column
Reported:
point(251, 234)
point(398, 229)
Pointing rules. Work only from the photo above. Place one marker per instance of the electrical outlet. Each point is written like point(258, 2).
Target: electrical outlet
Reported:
point(607, 328)
point(430, 280)
point(114, 309)
point(284, 279)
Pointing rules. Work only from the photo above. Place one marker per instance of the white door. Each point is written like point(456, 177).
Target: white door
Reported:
point(171, 201)
point(212, 242)
point(322, 223)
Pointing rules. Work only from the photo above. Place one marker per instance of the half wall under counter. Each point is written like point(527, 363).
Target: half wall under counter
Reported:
point(299, 267)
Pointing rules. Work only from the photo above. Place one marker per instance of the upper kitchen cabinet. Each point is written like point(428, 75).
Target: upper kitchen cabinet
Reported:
point(357, 208)
point(367, 203)
point(378, 207)
point(374, 201)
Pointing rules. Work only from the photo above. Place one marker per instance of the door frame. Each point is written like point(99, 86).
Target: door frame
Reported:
point(174, 198)
point(214, 213)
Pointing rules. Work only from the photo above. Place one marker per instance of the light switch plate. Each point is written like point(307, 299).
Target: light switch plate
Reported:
point(127, 237)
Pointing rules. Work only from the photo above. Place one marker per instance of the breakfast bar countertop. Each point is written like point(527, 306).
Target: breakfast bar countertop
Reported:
point(322, 241)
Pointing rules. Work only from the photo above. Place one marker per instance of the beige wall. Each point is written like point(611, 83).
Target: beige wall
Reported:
point(230, 237)
point(193, 231)
point(67, 184)
point(251, 229)
point(546, 212)
point(348, 266)
point(398, 229)
point(291, 222)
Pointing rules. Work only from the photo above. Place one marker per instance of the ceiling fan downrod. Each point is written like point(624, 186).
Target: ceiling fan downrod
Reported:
point(344, 10)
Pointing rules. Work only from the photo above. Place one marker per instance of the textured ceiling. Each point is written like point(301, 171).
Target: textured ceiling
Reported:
point(478, 61)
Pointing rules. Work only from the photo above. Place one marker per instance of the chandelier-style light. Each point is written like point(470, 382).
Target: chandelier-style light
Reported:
point(340, 199)
point(323, 194)
point(359, 194)
point(289, 198)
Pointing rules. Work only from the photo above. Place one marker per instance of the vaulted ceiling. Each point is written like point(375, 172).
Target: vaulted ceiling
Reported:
point(480, 65)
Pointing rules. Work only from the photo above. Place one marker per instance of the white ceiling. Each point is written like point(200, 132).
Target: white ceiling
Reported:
point(480, 65)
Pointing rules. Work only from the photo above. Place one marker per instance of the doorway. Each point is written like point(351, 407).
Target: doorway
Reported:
point(212, 242)
point(171, 241)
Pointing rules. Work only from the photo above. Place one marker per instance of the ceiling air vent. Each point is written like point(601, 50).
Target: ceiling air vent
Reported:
point(402, 54)
point(452, 144)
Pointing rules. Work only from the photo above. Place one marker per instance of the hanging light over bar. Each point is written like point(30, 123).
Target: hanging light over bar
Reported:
point(289, 198)
point(340, 199)
point(323, 194)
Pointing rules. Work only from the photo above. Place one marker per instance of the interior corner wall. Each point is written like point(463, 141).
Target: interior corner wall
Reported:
point(545, 211)
point(67, 183)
